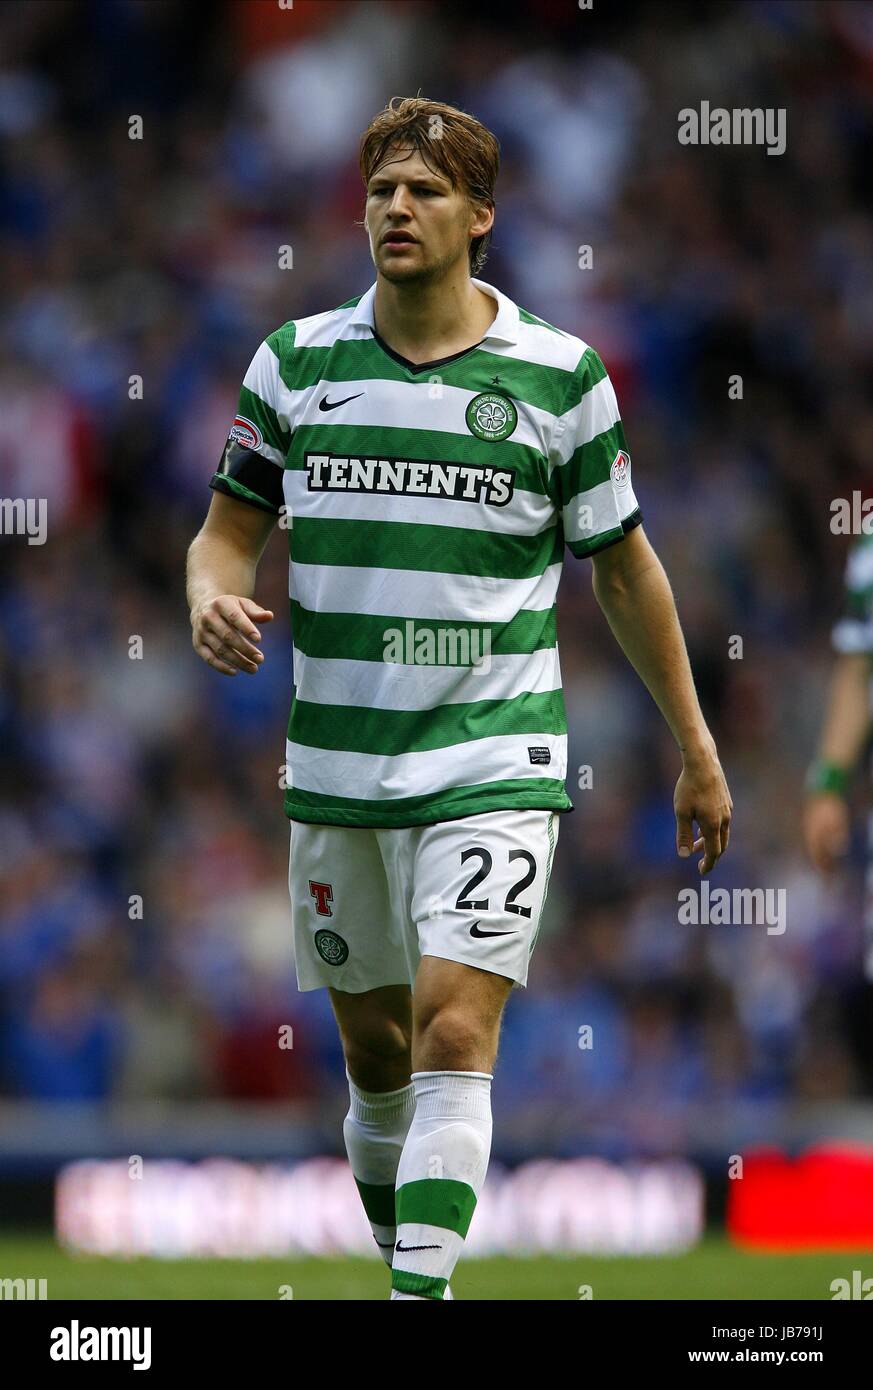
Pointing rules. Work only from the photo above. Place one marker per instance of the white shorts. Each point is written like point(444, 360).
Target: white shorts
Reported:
point(367, 904)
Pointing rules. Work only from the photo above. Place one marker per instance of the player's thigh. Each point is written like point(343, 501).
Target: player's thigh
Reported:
point(457, 1010)
point(480, 889)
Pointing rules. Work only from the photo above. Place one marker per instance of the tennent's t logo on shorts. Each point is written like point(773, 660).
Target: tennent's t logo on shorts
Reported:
point(323, 895)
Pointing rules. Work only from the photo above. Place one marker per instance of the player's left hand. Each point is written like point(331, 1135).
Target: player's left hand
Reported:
point(702, 795)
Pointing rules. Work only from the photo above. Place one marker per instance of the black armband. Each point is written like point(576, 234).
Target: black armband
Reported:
point(249, 477)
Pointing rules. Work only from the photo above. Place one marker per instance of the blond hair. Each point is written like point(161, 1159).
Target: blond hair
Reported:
point(448, 140)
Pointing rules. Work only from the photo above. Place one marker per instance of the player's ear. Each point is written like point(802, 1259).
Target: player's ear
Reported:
point(482, 218)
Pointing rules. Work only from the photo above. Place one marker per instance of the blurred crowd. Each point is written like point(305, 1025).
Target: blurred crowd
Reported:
point(145, 949)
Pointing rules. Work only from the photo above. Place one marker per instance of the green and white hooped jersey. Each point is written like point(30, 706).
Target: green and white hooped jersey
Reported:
point(427, 510)
point(853, 634)
point(853, 631)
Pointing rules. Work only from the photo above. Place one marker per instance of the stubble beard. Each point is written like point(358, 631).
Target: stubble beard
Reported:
point(422, 274)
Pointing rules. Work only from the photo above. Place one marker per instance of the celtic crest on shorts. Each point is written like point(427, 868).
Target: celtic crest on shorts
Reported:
point(331, 947)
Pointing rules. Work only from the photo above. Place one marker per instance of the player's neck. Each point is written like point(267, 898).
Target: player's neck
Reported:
point(424, 322)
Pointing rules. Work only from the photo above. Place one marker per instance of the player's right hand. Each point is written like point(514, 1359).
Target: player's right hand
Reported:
point(224, 633)
point(825, 829)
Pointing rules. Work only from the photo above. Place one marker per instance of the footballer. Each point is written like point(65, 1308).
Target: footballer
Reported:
point(431, 448)
point(845, 733)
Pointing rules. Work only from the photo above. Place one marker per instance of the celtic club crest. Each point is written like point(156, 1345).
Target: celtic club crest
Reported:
point(331, 947)
point(491, 416)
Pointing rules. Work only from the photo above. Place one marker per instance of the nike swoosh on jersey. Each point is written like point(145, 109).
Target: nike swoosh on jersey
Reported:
point(325, 404)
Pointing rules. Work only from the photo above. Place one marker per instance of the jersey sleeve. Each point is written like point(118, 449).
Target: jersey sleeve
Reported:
point(591, 466)
point(853, 630)
point(252, 466)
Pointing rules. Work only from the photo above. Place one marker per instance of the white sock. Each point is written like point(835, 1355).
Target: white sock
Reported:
point(375, 1130)
point(439, 1178)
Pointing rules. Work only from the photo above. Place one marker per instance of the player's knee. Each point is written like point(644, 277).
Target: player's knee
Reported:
point(449, 1039)
point(376, 1047)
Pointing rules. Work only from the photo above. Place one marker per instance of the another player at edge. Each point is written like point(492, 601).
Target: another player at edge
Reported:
point(434, 447)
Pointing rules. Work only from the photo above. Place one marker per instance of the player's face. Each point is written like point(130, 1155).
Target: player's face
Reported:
point(419, 226)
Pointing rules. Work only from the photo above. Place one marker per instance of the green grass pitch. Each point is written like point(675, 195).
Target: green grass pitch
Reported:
point(714, 1270)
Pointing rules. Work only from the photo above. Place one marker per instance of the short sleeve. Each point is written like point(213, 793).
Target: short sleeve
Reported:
point(591, 466)
point(853, 631)
point(252, 466)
